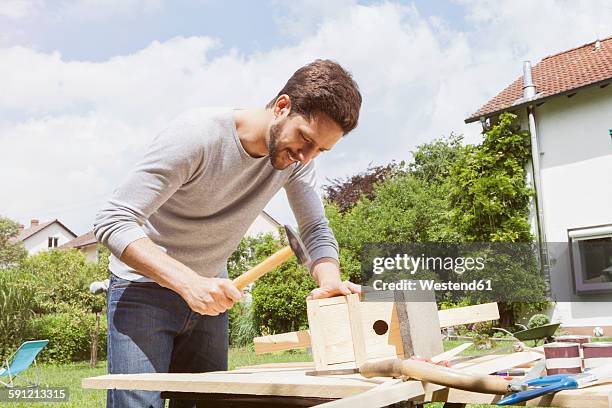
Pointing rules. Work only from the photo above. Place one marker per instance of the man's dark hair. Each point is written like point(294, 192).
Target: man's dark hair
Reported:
point(323, 86)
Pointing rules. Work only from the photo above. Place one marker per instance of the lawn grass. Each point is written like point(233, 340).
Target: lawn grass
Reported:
point(70, 375)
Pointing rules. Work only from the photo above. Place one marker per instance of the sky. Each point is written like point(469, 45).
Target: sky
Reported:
point(85, 84)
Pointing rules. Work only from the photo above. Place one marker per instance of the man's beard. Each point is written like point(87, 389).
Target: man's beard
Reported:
point(273, 152)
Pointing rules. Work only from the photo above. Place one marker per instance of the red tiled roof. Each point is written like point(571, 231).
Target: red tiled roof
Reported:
point(81, 241)
point(557, 74)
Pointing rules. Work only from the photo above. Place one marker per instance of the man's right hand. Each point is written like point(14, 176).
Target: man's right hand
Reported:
point(207, 296)
point(210, 296)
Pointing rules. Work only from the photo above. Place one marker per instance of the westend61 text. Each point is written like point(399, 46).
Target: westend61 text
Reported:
point(404, 284)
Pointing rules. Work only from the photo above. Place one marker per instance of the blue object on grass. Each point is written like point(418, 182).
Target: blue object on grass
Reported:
point(20, 361)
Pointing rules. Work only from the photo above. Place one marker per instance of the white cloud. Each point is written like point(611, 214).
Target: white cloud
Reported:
point(73, 128)
point(93, 10)
point(17, 9)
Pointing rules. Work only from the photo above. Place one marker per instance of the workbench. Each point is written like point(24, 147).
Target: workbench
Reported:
point(286, 384)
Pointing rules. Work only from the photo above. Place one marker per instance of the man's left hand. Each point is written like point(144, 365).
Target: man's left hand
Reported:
point(334, 288)
point(327, 273)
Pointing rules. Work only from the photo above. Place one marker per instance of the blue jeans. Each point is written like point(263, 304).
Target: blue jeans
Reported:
point(152, 330)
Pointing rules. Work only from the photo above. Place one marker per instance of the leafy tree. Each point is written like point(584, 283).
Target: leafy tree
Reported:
point(404, 210)
point(433, 162)
point(11, 251)
point(490, 201)
point(345, 193)
point(489, 193)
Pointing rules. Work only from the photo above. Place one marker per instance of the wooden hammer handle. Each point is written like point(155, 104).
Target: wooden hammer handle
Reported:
point(423, 371)
point(264, 267)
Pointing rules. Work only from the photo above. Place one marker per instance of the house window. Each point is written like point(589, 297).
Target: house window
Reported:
point(591, 256)
point(52, 242)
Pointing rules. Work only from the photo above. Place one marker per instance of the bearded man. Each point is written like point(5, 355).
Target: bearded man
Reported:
point(182, 211)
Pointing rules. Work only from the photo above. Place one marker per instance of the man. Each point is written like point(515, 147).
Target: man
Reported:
point(182, 211)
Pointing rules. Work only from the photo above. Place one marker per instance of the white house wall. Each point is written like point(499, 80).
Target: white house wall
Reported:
point(576, 175)
point(39, 241)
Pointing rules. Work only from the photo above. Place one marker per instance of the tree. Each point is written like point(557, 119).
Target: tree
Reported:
point(489, 195)
point(490, 203)
point(12, 252)
point(346, 192)
point(433, 162)
point(453, 193)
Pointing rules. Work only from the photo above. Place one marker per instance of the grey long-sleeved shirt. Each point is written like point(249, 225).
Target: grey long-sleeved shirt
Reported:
point(196, 192)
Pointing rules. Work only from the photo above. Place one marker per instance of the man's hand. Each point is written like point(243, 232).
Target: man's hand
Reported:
point(207, 296)
point(327, 273)
point(210, 296)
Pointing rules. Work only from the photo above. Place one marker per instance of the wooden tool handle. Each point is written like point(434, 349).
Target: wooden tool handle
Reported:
point(423, 371)
point(264, 267)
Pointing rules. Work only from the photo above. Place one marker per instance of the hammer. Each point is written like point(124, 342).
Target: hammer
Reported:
point(296, 246)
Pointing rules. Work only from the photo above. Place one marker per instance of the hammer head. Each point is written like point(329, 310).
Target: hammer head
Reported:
point(297, 246)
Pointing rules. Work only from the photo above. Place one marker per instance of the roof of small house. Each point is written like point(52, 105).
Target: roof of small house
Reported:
point(28, 232)
point(81, 241)
point(559, 74)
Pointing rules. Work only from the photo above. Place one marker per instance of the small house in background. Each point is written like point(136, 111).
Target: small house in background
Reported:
point(263, 224)
point(565, 101)
point(44, 236)
point(85, 243)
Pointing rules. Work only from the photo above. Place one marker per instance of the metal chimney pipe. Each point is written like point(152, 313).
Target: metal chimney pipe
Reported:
point(529, 89)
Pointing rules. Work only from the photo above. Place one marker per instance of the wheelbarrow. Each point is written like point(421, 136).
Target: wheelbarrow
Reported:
point(536, 334)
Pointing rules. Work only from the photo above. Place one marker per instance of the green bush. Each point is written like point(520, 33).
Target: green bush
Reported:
point(17, 308)
point(538, 320)
point(60, 280)
point(70, 335)
point(279, 298)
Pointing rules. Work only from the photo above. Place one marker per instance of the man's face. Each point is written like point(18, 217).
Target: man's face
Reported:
point(296, 138)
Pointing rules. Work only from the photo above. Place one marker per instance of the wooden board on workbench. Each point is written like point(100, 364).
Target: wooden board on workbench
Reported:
point(297, 384)
point(277, 382)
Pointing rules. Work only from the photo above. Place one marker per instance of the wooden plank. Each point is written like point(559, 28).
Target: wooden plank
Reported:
point(468, 314)
point(283, 341)
point(419, 324)
point(279, 383)
point(293, 364)
point(354, 314)
point(334, 325)
point(498, 363)
point(298, 385)
point(381, 396)
point(318, 336)
point(447, 355)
